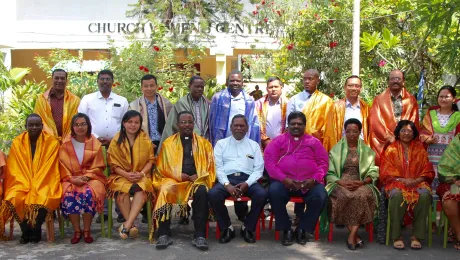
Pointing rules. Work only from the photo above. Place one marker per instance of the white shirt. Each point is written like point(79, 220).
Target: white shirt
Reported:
point(297, 103)
point(237, 106)
point(352, 112)
point(233, 156)
point(273, 126)
point(105, 114)
point(79, 149)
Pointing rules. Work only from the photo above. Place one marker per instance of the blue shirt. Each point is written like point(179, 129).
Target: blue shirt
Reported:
point(152, 111)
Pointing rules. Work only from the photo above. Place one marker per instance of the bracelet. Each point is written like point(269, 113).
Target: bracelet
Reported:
point(143, 173)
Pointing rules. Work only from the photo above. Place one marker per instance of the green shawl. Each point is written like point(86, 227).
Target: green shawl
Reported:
point(367, 168)
point(454, 120)
point(186, 104)
point(449, 165)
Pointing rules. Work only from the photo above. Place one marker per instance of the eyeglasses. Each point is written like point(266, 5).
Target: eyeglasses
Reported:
point(105, 79)
point(396, 79)
point(406, 131)
point(445, 97)
point(80, 125)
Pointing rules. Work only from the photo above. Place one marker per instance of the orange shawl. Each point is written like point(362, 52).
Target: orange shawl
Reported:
point(394, 166)
point(43, 109)
point(119, 156)
point(340, 117)
point(262, 110)
point(31, 184)
point(2, 163)
point(168, 181)
point(383, 119)
point(319, 111)
point(92, 166)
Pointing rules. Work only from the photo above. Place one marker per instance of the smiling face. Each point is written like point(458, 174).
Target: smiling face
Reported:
point(445, 99)
point(396, 81)
point(406, 135)
point(80, 127)
point(196, 88)
point(149, 88)
point(59, 80)
point(132, 125)
point(105, 82)
point(353, 88)
point(296, 127)
point(310, 81)
point(235, 84)
point(34, 126)
point(185, 125)
point(239, 128)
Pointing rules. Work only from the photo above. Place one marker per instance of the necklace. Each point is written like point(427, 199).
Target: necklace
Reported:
point(289, 146)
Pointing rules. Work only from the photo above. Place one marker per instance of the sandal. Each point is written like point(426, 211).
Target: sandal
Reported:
point(360, 241)
point(124, 234)
point(415, 244)
point(76, 237)
point(87, 237)
point(457, 245)
point(133, 232)
point(398, 244)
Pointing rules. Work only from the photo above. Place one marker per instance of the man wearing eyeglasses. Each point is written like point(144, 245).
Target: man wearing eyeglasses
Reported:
point(390, 107)
point(352, 106)
point(105, 110)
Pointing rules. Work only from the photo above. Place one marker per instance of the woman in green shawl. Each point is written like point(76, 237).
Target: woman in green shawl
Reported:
point(449, 190)
point(351, 182)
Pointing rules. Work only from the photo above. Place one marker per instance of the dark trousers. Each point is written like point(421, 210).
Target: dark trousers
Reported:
point(315, 199)
point(200, 207)
point(219, 193)
point(28, 231)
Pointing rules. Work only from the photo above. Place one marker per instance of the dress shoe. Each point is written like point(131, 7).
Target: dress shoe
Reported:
point(200, 243)
point(36, 235)
point(301, 237)
point(248, 235)
point(288, 237)
point(87, 237)
point(227, 236)
point(163, 242)
point(76, 237)
point(120, 218)
point(24, 238)
point(144, 219)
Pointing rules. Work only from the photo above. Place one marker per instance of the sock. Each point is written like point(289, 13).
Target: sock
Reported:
point(230, 227)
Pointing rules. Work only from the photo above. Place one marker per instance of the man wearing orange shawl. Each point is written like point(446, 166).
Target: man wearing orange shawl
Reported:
point(390, 107)
point(32, 180)
point(57, 106)
point(407, 174)
point(185, 169)
point(271, 111)
point(352, 106)
point(317, 107)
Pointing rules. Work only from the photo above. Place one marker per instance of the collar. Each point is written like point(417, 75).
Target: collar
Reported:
point(306, 94)
point(99, 95)
point(398, 96)
point(237, 98)
point(52, 94)
point(148, 101)
point(348, 104)
point(237, 141)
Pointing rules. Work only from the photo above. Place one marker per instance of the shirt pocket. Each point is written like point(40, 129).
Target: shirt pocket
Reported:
point(117, 112)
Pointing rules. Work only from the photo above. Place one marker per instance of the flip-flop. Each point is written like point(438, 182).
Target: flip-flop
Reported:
point(415, 243)
point(123, 232)
point(398, 244)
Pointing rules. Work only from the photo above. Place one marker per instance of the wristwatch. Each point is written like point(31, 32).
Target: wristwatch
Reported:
point(226, 184)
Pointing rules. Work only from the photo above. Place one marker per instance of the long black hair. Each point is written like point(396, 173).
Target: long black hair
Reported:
point(452, 91)
point(88, 123)
point(128, 115)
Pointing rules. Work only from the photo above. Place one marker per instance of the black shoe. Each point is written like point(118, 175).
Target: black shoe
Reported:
point(227, 236)
point(288, 237)
point(301, 237)
point(120, 218)
point(184, 220)
point(144, 219)
point(350, 246)
point(98, 219)
point(25, 238)
point(163, 242)
point(200, 243)
point(36, 235)
point(247, 235)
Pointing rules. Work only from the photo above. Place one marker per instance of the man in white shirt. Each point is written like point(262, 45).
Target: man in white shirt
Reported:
point(105, 110)
point(239, 164)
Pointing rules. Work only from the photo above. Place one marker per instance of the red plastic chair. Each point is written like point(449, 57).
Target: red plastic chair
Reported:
point(260, 222)
point(277, 232)
point(369, 229)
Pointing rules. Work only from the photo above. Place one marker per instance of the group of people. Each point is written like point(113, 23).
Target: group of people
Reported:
point(333, 155)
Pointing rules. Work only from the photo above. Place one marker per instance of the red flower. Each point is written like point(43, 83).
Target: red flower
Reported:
point(317, 17)
point(168, 81)
point(171, 89)
point(114, 85)
point(332, 45)
point(146, 70)
point(331, 21)
point(332, 94)
point(255, 12)
point(266, 20)
point(263, 2)
point(336, 70)
point(141, 67)
point(278, 12)
point(290, 46)
point(156, 48)
point(382, 63)
point(160, 88)
point(117, 83)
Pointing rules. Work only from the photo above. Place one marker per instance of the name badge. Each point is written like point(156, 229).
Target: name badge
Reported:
point(116, 105)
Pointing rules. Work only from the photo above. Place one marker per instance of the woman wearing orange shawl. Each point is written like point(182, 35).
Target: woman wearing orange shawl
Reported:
point(84, 185)
point(407, 175)
point(131, 158)
point(32, 180)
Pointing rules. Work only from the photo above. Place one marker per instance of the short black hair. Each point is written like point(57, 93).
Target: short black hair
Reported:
point(88, 123)
point(59, 70)
point(297, 114)
point(452, 91)
point(238, 72)
point(193, 78)
point(353, 121)
point(240, 116)
point(33, 115)
point(273, 78)
point(353, 77)
point(403, 74)
point(402, 124)
point(107, 72)
point(128, 115)
point(185, 112)
point(149, 77)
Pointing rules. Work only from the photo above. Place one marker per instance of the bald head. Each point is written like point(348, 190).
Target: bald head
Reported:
point(310, 80)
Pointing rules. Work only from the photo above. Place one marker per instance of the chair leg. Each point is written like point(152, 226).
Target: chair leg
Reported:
point(441, 222)
point(317, 231)
point(331, 229)
point(207, 229)
point(149, 215)
point(50, 229)
point(262, 220)
point(277, 235)
point(371, 232)
point(258, 230)
point(430, 227)
point(110, 224)
point(388, 228)
point(270, 223)
point(446, 231)
point(217, 231)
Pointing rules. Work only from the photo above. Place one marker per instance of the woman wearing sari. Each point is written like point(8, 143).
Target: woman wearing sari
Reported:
point(440, 126)
point(2, 163)
point(449, 189)
point(131, 158)
point(351, 182)
point(84, 187)
point(407, 175)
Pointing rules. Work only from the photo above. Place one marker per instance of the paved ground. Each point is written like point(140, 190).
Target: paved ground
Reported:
point(266, 248)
